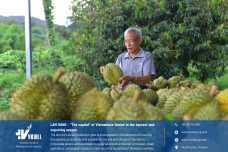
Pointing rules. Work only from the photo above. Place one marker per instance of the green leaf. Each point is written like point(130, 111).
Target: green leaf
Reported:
point(160, 4)
point(140, 15)
point(145, 41)
point(97, 4)
point(148, 10)
point(151, 14)
point(184, 15)
point(164, 36)
point(104, 26)
point(136, 13)
point(140, 5)
point(127, 6)
point(179, 26)
point(168, 117)
point(153, 46)
point(147, 29)
point(220, 56)
point(176, 54)
point(180, 4)
point(93, 41)
point(92, 50)
point(118, 41)
point(83, 41)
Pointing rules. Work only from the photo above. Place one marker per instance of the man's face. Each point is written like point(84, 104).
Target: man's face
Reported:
point(132, 42)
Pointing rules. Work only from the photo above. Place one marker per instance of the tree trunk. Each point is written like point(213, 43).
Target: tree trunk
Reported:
point(47, 30)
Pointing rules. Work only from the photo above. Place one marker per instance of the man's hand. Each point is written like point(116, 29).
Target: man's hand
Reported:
point(126, 79)
point(101, 69)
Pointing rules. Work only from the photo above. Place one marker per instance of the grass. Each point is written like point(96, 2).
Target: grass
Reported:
point(11, 81)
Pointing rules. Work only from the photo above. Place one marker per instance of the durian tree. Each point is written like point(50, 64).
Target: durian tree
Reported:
point(179, 33)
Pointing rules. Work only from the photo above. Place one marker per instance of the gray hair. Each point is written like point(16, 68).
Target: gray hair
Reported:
point(135, 30)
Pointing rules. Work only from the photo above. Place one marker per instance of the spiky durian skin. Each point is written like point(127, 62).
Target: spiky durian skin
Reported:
point(130, 90)
point(7, 115)
point(126, 110)
point(190, 103)
point(112, 73)
point(113, 92)
point(93, 105)
point(77, 83)
point(195, 84)
point(107, 90)
point(208, 111)
point(39, 98)
point(172, 101)
point(172, 83)
point(150, 96)
point(163, 95)
point(186, 83)
point(222, 99)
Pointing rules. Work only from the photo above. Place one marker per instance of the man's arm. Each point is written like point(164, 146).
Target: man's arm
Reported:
point(140, 79)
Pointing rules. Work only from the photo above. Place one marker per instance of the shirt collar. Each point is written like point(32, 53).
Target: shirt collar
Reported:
point(140, 55)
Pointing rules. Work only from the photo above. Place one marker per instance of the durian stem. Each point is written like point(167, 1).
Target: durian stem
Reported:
point(58, 74)
point(137, 95)
point(187, 117)
point(113, 88)
point(214, 88)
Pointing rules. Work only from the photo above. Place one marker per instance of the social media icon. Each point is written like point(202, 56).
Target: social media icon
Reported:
point(176, 139)
point(176, 132)
point(176, 124)
point(176, 147)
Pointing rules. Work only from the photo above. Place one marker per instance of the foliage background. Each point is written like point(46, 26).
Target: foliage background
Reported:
point(186, 37)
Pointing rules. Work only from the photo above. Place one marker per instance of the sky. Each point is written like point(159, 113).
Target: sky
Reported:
point(19, 8)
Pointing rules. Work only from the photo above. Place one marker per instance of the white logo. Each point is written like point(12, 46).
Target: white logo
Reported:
point(176, 132)
point(176, 146)
point(22, 135)
point(176, 139)
point(139, 63)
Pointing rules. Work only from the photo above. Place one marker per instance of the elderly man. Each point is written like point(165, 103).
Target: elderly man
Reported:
point(137, 64)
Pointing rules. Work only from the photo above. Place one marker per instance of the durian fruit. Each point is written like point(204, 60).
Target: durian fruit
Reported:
point(174, 81)
point(130, 90)
point(199, 105)
point(42, 97)
point(93, 105)
point(7, 115)
point(107, 90)
point(203, 87)
point(150, 96)
point(114, 92)
point(163, 95)
point(222, 99)
point(160, 83)
point(134, 110)
point(151, 85)
point(212, 83)
point(172, 101)
point(195, 84)
point(77, 83)
point(112, 73)
point(186, 83)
